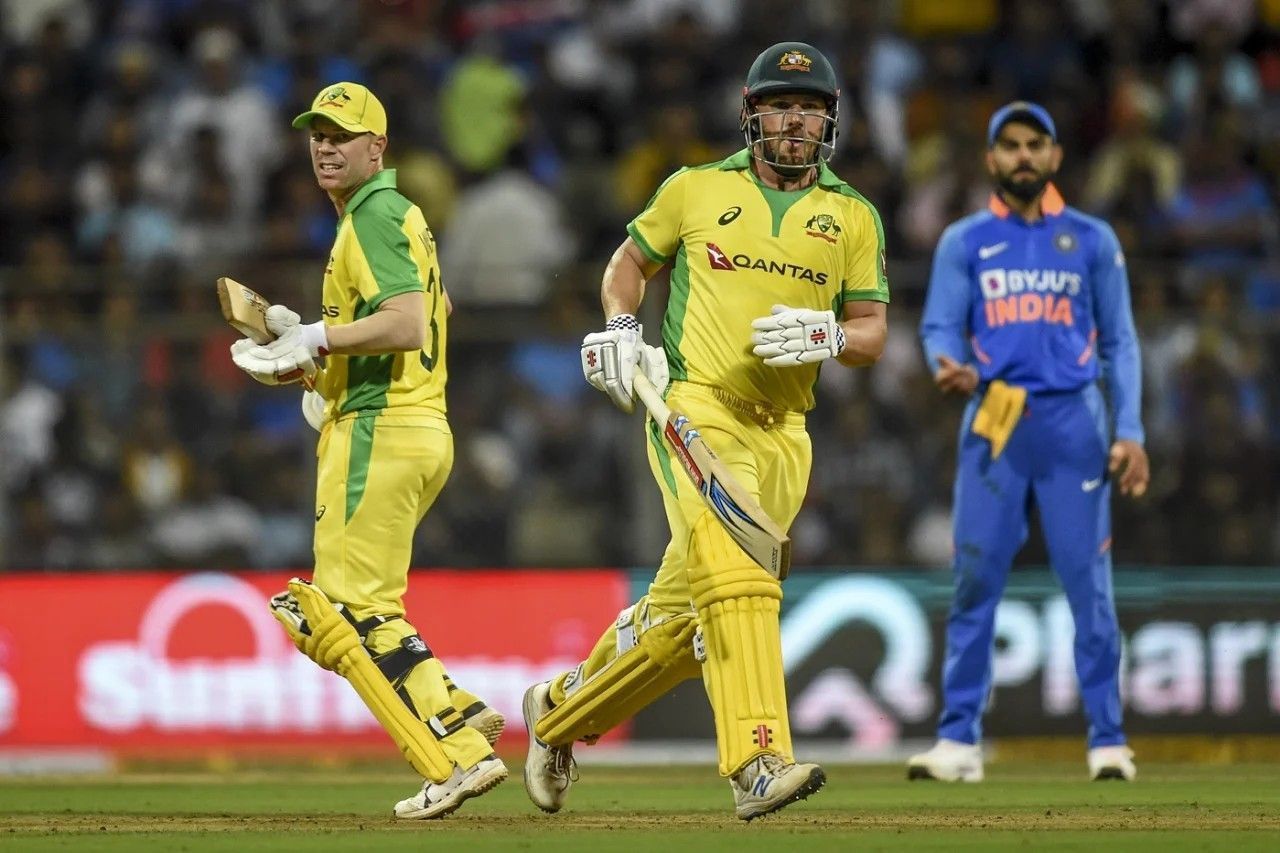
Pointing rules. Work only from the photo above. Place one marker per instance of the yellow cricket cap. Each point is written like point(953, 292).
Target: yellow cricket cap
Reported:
point(347, 105)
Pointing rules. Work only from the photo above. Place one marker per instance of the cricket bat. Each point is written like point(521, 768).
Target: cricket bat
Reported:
point(246, 311)
point(742, 516)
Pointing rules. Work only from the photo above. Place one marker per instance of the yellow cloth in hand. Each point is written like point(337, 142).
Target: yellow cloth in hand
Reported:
point(998, 414)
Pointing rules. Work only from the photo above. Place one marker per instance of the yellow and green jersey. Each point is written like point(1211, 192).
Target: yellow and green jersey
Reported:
point(736, 249)
point(383, 248)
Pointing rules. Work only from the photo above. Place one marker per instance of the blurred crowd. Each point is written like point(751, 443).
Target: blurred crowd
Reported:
point(146, 150)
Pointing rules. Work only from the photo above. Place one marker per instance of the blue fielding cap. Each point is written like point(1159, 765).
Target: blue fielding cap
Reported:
point(1020, 111)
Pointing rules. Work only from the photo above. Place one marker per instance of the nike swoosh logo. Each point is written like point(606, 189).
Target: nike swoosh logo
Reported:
point(1090, 485)
point(991, 251)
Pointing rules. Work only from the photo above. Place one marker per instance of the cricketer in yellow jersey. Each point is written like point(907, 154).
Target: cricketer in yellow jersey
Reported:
point(384, 453)
point(776, 266)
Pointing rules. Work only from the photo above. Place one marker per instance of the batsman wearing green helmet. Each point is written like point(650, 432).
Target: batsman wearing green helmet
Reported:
point(777, 266)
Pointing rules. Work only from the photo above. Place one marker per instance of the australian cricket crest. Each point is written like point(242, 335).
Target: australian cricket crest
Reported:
point(335, 97)
point(794, 60)
point(823, 226)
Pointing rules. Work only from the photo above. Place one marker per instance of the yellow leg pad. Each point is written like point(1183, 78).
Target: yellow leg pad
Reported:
point(661, 658)
point(604, 652)
point(335, 644)
point(738, 604)
point(426, 687)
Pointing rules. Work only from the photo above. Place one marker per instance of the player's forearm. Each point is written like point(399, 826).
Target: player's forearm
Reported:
point(399, 325)
point(622, 288)
point(864, 339)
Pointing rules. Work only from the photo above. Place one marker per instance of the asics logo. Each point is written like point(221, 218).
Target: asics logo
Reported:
point(991, 251)
point(1090, 485)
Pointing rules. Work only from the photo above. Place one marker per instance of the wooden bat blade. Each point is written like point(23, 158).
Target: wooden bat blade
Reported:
point(244, 309)
point(741, 515)
point(734, 507)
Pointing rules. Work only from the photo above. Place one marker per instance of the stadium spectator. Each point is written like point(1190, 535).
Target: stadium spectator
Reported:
point(146, 163)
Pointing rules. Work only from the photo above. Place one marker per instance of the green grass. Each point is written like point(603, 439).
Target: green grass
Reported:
point(1034, 807)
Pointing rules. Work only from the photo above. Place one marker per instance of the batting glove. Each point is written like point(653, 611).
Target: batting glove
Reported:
point(290, 356)
point(313, 409)
point(791, 336)
point(653, 363)
point(609, 359)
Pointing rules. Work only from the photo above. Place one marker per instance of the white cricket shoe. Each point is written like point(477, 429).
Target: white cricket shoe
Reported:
point(1112, 762)
point(548, 770)
point(947, 761)
point(437, 799)
point(488, 722)
point(769, 782)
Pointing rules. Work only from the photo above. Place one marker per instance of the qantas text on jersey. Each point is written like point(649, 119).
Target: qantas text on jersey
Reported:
point(721, 260)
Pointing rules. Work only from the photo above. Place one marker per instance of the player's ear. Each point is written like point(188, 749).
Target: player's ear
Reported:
point(1055, 158)
point(991, 163)
point(378, 146)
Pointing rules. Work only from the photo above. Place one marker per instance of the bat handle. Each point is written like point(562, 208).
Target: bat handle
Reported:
point(649, 395)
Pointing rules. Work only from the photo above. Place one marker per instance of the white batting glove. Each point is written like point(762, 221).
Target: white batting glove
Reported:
point(313, 409)
point(653, 363)
point(290, 333)
point(791, 336)
point(290, 356)
point(609, 359)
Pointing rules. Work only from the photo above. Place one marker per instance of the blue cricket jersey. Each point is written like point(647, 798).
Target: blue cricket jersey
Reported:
point(1043, 305)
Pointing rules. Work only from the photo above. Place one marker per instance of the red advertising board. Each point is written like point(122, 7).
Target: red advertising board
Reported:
point(190, 662)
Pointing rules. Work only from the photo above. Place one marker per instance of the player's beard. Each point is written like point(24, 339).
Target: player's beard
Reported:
point(795, 163)
point(1022, 187)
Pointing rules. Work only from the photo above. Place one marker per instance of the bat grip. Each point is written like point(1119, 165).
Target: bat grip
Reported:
point(650, 397)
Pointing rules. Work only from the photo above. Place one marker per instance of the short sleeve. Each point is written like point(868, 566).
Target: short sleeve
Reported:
point(379, 228)
point(864, 276)
point(657, 229)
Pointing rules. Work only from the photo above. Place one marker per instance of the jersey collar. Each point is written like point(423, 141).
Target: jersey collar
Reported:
point(1051, 203)
point(384, 180)
point(742, 160)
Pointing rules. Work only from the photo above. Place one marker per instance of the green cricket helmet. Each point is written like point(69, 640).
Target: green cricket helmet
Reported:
point(789, 66)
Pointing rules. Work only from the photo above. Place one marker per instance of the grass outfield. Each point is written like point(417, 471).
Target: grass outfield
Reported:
point(1173, 807)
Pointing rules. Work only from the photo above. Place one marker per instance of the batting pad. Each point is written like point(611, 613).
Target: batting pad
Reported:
point(650, 660)
point(334, 644)
point(738, 604)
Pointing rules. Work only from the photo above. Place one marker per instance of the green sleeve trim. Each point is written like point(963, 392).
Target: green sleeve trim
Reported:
point(649, 252)
point(864, 296)
point(386, 291)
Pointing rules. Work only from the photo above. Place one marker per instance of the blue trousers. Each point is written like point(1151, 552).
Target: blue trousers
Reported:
point(1056, 456)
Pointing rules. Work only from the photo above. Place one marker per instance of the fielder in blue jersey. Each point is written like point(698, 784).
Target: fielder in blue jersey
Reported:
point(1028, 306)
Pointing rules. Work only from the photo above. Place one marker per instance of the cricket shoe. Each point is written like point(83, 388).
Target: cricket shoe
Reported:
point(487, 722)
point(437, 799)
point(1112, 762)
point(947, 761)
point(769, 782)
point(548, 770)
